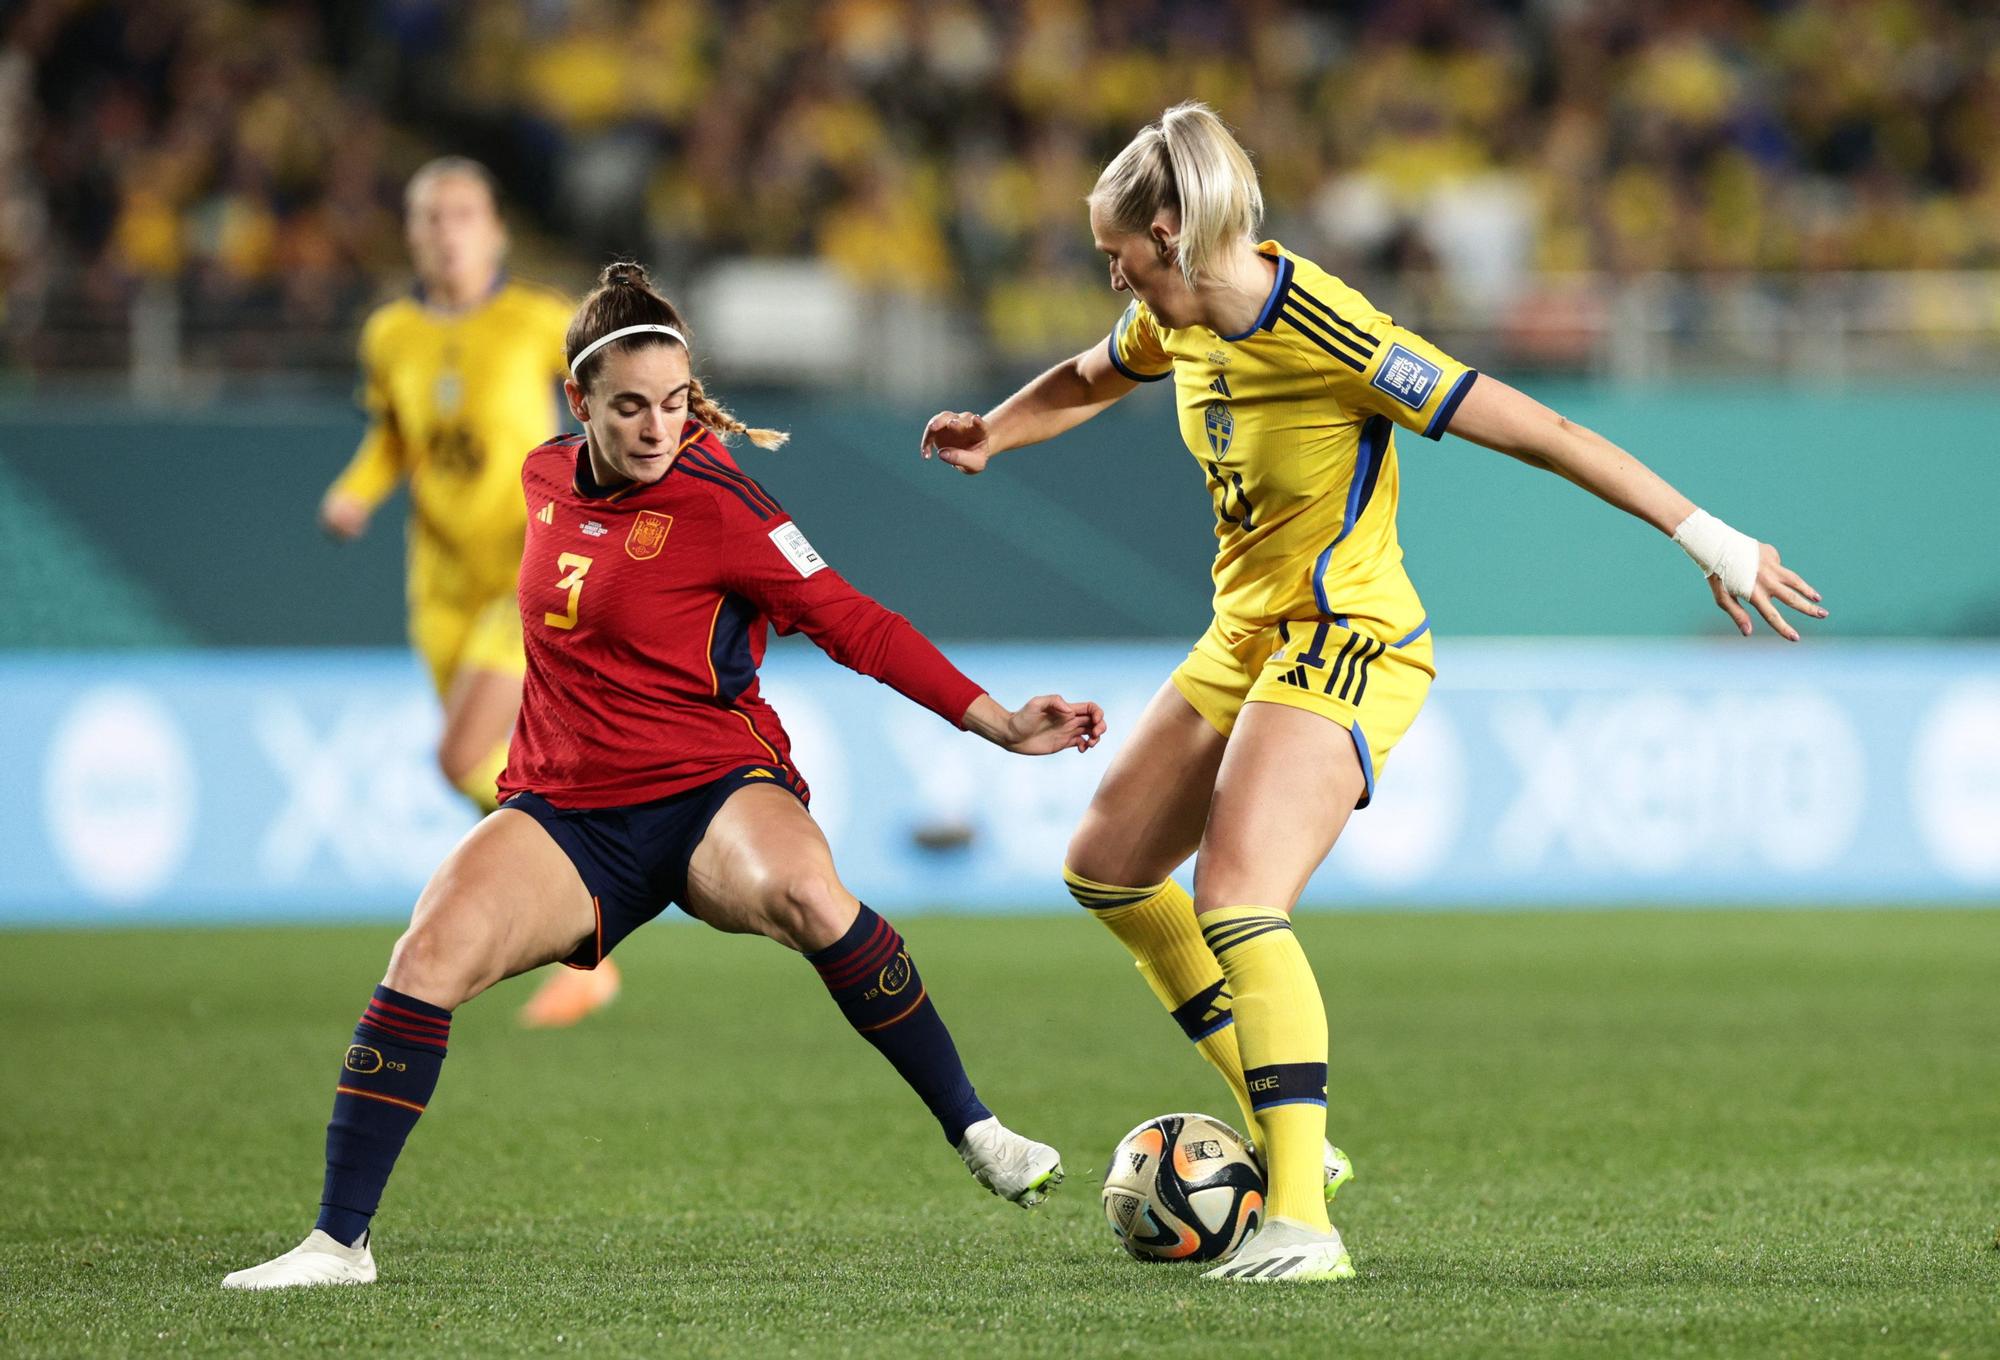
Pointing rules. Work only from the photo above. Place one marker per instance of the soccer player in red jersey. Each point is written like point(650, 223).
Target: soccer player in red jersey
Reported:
point(646, 768)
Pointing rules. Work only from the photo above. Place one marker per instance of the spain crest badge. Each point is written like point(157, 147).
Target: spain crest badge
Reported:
point(649, 534)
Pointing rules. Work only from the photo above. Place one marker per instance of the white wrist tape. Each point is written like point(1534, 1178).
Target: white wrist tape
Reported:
point(1721, 552)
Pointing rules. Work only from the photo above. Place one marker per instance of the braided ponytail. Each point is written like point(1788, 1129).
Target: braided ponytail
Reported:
point(704, 409)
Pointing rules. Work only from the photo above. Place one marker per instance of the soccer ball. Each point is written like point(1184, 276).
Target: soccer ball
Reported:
point(1183, 1187)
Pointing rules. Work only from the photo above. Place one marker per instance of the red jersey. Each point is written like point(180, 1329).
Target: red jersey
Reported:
point(645, 610)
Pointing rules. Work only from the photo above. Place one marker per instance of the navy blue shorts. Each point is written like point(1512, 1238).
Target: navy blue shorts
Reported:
point(634, 860)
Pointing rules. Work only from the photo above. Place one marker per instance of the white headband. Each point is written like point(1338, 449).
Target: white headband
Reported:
point(601, 341)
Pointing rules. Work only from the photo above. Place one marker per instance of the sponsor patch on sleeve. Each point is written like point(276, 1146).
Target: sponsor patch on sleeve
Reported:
point(801, 554)
point(1409, 378)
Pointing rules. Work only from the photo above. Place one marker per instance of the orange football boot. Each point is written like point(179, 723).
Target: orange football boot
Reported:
point(569, 995)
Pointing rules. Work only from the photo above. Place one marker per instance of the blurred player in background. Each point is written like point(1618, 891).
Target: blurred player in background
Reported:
point(1289, 385)
point(459, 382)
point(647, 768)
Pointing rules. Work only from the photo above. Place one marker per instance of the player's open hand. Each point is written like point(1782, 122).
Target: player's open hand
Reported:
point(344, 517)
point(958, 438)
point(1776, 584)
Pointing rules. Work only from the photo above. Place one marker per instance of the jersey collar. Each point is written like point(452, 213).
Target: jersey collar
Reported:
point(1268, 317)
point(586, 486)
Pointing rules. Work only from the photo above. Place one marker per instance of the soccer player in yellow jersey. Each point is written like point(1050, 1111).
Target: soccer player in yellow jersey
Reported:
point(460, 383)
point(1292, 388)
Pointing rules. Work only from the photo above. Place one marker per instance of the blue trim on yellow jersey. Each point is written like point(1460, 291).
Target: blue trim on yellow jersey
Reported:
point(1414, 633)
point(1367, 465)
point(1319, 577)
point(1367, 765)
point(1449, 406)
point(1268, 317)
point(1111, 348)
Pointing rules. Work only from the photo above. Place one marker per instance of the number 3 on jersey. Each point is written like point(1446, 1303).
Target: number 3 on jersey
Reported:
point(574, 567)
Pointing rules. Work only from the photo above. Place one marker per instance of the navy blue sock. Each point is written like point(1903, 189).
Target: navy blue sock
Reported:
point(386, 1079)
point(872, 979)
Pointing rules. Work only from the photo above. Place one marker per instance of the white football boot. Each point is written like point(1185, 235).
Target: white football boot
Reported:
point(1339, 1170)
point(1339, 1167)
point(317, 1260)
point(1285, 1249)
point(1012, 1167)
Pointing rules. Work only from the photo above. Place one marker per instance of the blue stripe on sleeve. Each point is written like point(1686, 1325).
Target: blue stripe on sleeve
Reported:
point(1442, 420)
point(1111, 348)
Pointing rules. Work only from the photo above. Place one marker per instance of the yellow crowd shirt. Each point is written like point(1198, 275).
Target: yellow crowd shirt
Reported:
point(455, 401)
point(1293, 422)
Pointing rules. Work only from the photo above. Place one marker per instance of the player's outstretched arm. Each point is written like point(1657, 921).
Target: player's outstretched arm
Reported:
point(1738, 567)
point(798, 592)
point(1061, 399)
point(1044, 725)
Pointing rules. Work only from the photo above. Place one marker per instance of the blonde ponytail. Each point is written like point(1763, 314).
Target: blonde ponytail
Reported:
point(704, 409)
point(1187, 161)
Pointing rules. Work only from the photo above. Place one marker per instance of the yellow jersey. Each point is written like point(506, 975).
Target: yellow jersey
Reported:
point(1293, 423)
point(455, 401)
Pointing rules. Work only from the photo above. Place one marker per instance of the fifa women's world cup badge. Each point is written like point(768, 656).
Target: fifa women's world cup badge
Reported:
point(649, 535)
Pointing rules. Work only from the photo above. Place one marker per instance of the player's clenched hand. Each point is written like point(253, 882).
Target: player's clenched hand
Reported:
point(1044, 725)
point(958, 438)
point(1776, 584)
point(344, 517)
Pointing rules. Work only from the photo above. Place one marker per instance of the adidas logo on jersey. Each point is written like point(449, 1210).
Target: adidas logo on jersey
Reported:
point(1221, 384)
point(1295, 676)
point(547, 514)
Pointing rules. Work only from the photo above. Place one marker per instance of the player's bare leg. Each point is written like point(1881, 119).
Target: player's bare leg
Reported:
point(1147, 815)
point(1145, 819)
point(1286, 788)
point(479, 712)
point(764, 868)
point(507, 900)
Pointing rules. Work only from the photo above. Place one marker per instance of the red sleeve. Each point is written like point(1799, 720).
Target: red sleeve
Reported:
point(768, 561)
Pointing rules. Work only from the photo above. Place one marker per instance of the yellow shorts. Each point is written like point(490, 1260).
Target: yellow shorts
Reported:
point(452, 638)
point(1371, 686)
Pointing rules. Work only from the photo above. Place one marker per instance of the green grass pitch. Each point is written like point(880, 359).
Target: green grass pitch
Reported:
point(1590, 1134)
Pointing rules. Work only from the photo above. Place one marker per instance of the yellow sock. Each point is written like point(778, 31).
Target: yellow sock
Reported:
point(1158, 926)
point(481, 781)
point(1281, 1028)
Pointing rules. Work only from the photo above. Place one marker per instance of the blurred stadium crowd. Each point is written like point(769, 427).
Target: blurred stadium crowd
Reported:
point(248, 157)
